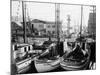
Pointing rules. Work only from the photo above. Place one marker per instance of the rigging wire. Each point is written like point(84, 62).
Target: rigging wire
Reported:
point(18, 9)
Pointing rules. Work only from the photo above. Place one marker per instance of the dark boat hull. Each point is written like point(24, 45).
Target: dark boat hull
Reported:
point(72, 67)
point(76, 61)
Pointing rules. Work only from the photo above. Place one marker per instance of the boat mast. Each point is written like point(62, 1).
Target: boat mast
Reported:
point(94, 11)
point(68, 25)
point(81, 20)
point(24, 20)
point(57, 20)
point(57, 23)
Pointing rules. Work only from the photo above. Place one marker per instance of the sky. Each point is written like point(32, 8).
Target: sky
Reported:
point(46, 12)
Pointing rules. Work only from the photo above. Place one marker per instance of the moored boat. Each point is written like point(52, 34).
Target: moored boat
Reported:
point(23, 66)
point(77, 59)
point(47, 62)
point(47, 65)
point(21, 58)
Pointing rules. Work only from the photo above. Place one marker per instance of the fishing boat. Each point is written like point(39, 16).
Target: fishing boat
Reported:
point(23, 66)
point(22, 59)
point(46, 65)
point(77, 58)
point(77, 53)
point(48, 60)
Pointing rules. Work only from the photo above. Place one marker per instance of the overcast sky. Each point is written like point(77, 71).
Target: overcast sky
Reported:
point(45, 11)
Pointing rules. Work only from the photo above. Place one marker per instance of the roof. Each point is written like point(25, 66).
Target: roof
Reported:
point(37, 21)
point(45, 22)
point(15, 25)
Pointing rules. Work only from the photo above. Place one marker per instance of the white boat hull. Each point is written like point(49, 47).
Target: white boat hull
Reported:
point(47, 66)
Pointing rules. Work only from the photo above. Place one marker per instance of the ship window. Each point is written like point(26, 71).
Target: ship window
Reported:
point(25, 49)
point(29, 48)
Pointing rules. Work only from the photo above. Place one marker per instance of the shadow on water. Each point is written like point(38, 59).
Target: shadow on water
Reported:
point(32, 69)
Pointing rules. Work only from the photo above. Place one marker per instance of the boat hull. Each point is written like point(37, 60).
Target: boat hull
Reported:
point(74, 67)
point(23, 66)
point(77, 59)
point(47, 66)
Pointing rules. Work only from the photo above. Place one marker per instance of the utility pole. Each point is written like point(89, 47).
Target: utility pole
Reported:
point(24, 21)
